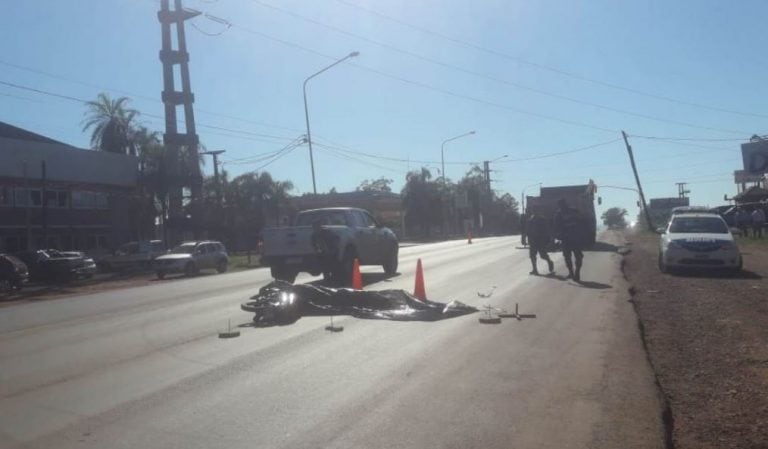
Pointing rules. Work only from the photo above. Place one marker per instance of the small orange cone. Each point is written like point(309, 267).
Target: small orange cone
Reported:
point(419, 291)
point(357, 278)
point(469, 237)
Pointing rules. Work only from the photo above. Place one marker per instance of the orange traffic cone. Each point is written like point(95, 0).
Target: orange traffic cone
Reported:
point(418, 290)
point(469, 237)
point(357, 278)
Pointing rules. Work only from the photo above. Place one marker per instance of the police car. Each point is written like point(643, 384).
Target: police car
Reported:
point(698, 240)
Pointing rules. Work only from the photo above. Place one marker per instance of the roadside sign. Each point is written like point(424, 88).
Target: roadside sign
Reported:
point(755, 157)
point(743, 177)
point(668, 203)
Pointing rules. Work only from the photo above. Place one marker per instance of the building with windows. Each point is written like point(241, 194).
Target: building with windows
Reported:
point(53, 195)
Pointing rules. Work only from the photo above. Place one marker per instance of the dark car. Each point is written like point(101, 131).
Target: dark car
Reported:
point(13, 272)
point(51, 265)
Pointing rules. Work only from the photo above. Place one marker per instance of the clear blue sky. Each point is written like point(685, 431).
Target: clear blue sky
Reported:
point(700, 52)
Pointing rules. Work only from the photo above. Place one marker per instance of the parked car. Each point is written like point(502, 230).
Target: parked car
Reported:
point(133, 255)
point(191, 257)
point(349, 234)
point(13, 273)
point(698, 240)
point(51, 265)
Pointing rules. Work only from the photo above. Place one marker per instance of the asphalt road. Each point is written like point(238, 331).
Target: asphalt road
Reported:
point(144, 368)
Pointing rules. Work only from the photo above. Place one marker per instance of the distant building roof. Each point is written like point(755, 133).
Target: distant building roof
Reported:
point(12, 132)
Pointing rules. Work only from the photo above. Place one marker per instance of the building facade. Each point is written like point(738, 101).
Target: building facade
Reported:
point(53, 195)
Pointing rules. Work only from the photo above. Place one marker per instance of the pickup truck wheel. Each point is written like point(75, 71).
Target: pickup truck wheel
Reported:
point(221, 267)
point(390, 265)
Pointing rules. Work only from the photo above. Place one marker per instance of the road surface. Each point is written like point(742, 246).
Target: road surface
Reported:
point(144, 368)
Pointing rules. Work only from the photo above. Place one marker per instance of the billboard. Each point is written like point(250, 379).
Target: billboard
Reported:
point(755, 157)
point(668, 203)
point(743, 177)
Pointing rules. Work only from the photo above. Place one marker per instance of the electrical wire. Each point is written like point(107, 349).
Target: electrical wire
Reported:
point(201, 125)
point(142, 97)
point(561, 72)
point(490, 77)
point(422, 85)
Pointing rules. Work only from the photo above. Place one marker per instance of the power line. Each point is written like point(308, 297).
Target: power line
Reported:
point(490, 77)
point(559, 153)
point(561, 72)
point(339, 154)
point(139, 96)
point(421, 84)
point(202, 125)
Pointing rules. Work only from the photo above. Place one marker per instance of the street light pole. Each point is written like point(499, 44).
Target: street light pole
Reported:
point(442, 150)
point(522, 194)
point(306, 113)
point(215, 155)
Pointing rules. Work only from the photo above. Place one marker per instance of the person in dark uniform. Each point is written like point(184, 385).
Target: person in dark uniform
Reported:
point(539, 238)
point(326, 245)
point(569, 229)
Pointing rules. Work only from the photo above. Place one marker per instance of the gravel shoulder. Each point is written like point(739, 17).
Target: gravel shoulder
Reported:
point(707, 340)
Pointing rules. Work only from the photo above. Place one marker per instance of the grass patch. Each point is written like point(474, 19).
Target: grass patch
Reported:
point(240, 262)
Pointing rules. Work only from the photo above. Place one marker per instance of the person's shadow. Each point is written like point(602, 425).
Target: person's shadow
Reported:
point(584, 284)
point(594, 285)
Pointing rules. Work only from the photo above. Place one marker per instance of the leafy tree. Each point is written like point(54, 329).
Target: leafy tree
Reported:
point(422, 201)
point(111, 123)
point(375, 185)
point(251, 201)
point(615, 217)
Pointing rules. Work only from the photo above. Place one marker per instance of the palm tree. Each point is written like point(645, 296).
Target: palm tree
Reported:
point(111, 123)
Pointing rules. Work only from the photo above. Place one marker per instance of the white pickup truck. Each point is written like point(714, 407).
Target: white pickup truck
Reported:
point(327, 241)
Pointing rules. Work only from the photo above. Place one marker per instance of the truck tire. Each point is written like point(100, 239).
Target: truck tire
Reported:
point(390, 265)
point(221, 267)
point(283, 274)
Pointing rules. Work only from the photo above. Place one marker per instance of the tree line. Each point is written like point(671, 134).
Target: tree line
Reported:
point(254, 200)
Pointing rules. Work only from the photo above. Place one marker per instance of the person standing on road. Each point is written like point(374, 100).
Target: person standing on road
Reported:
point(326, 245)
point(569, 229)
point(758, 221)
point(539, 238)
point(743, 220)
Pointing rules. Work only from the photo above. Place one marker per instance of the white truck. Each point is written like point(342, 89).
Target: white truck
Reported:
point(327, 241)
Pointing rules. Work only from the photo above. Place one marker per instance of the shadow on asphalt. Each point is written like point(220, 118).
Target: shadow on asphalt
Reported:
point(368, 279)
point(594, 285)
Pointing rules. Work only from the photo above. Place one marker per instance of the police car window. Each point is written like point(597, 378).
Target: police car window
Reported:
point(698, 225)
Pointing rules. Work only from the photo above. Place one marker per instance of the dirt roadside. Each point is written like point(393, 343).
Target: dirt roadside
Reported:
point(707, 339)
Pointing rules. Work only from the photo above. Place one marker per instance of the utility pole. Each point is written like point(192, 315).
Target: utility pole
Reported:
point(215, 155)
point(637, 179)
point(27, 230)
point(681, 192)
point(172, 99)
point(44, 192)
point(487, 171)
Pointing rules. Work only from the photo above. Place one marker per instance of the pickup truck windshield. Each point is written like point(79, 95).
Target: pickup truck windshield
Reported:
point(696, 225)
point(325, 217)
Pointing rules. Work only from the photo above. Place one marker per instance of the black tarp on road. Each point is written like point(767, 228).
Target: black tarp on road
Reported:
point(281, 302)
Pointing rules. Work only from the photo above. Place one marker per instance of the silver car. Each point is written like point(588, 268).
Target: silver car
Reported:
point(191, 257)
